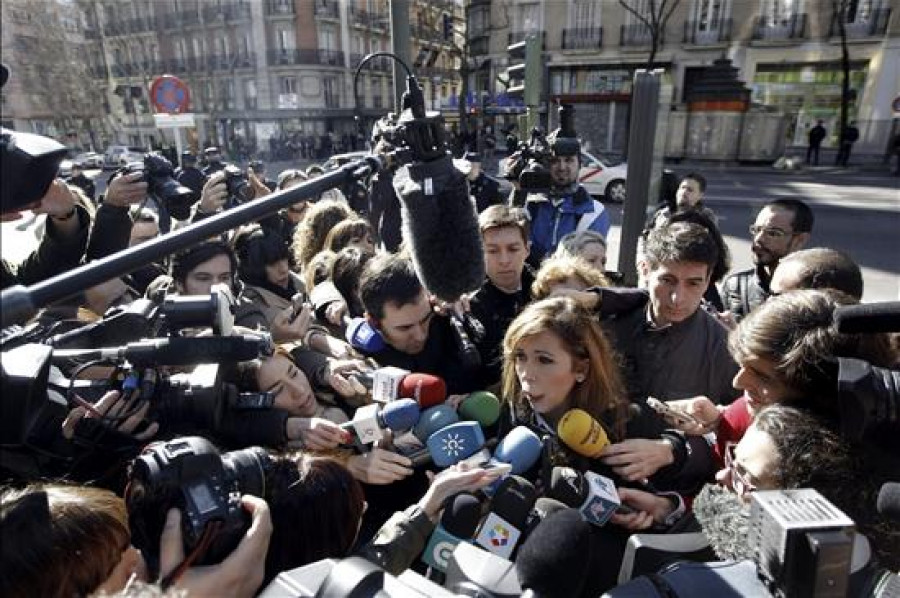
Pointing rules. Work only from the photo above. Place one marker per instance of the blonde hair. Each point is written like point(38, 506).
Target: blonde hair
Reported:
point(557, 269)
point(602, 394)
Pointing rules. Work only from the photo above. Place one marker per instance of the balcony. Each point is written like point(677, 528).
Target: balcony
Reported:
point(140, 25)
point(226, 12)
point(519, 36)
point(637, 35)
point(584, 38)
point(327, 9)
point(874, 26)
point(189, 18)
point(115, 27)
point(295, 57)
point(793, 27)
point(382, 63)
point(280, 8)
point(702, 33)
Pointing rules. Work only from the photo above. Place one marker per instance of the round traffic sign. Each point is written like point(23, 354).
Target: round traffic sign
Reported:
point(170, 95)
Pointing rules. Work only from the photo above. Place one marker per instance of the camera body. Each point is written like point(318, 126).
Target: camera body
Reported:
point(189, 473)
point(239, 190)
point(160, 178)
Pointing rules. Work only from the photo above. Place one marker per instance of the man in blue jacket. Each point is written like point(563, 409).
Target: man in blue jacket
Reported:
point(567, 207)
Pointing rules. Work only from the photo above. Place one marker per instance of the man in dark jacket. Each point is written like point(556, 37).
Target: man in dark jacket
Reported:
point(483, 188)
point(83, 182)
point(816, 135)
point(189, 175)
point(850, 136)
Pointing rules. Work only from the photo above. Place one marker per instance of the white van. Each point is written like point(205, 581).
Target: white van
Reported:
point(120, 155)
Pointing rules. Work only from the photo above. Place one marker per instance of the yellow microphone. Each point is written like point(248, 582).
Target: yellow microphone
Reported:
point(582, 433)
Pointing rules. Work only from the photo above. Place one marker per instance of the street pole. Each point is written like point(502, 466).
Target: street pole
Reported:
point(400, 47)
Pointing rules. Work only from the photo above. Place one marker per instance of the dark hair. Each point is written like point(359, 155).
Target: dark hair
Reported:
point(346, 231)
point(723, 263)
point(824, 268)
point(322, 216)
point(346, 273)
point(388, 278)
point(256, 249)
point(316, 506)
point(60, 540)
point(696, 176)
point(803, 216)
point(501, 216)
point(681, 242)
point(190, 258)
point(318, 269)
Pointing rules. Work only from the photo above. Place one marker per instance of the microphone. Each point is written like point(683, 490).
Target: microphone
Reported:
point(508, 516)
point(452, 444)
point(889, 500)
point(556, 558)
point(426, 389)
point(370, 421)
point(178, 350)
point(458, 524)
point(594, 495)
point(433, 419)
point(868, 317)
point(481, 406)
point(468, 353)
point(582, 433)
point(363, 336)
point(521, 448)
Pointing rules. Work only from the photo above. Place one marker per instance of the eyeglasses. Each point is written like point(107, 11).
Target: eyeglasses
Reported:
point(769, 231)
point(739, 480)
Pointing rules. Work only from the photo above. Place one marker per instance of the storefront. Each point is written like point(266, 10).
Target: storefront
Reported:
point(806, 93)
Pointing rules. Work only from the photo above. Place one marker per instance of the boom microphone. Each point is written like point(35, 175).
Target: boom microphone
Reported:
point(178, 350)
point(441, 227)
point(582, 433)
point(556, 558)
point(889, 500)
point(868, 317)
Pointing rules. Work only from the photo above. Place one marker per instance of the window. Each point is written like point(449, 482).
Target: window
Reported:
point(287, 85)
point(327, 37)
point(479, 19)
point(330, 87)
point(780, 13)
point(709, 15)
point(227, 87)
point(528, 17)
point(584, 14)
point(250, 93)
point(285, 39)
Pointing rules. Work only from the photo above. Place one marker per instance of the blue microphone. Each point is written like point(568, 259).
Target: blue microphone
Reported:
point(521, 448)
point(433, 419)
point(361, 335)
point(458, 524)
point(370, 421)
point(454, 443)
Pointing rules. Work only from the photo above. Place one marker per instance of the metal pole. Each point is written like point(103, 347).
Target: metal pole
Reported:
point(400, 47)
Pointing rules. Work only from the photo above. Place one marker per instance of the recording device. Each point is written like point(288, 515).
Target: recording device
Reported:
point(593, 495)
point(518, 451)
point(508, 516)
point(159, 175)
point(803, 543)
point(869, 399)
point(190, 474)
point(530, 163)
point(427, 390)
point(888, 504)
point(451, 444)
point(239, 190)
point(670, 413)
point(458, 524)
point(868, 317)
point(370, 421)
point(481, 406)
point(556, 559)
point(433, 419)
point(582, 433)
point(472, 571)
point(363, 336)
point(35, 161)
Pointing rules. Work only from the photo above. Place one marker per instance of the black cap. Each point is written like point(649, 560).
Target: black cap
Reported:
point(30, 164)
point(472, 157)
point(564, 141)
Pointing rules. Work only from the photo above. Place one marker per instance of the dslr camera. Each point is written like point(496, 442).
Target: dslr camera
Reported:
point(190, 474)
point(160, 178)
point(239, 190)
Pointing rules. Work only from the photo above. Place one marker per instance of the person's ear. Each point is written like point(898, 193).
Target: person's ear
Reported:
point(644, 268)
point(373, 321)
point(799, 241)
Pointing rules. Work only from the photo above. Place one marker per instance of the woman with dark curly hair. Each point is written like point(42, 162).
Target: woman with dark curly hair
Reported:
point(309, 239)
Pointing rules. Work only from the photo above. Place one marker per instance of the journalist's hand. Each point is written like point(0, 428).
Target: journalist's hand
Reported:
point(702, 409)
point(110, 408)
point(259, 188)
point(214, 194)
point(649, 509)
point(637, 458)
point(240, 574)
point(284, 330)
point(126, 189)
point(335, 312)
point(453, 480)
point(316, 433)
point(379, 466)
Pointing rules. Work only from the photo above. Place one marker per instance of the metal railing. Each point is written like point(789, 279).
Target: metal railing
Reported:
point(637, 34)
point(793, 27)
point(582, 38)
point(294, 57)
point(228, 12)
point(382, 63)
point(699, 33)
point(327, 9)
point(280, 7)
point(874, 26)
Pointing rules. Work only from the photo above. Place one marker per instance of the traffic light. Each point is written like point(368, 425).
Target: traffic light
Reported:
point(448, 27)
point(525, 69)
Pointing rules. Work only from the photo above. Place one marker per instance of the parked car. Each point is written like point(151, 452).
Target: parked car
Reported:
point(602, 178)
point(120, 155)
point(89, 160)
point(65, 168)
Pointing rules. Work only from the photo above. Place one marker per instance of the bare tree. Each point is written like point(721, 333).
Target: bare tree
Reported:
point(654, 17)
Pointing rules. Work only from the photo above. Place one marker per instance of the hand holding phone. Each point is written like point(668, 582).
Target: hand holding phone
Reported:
point(297, 303)
point(672, 414)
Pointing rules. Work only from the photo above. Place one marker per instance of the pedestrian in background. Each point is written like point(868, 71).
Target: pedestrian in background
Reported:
point(816, 135)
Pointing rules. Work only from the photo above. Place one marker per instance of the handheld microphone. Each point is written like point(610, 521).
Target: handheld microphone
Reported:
point(556, 558)
point(481, 406)
point(458, 524)
point(452, 444)
point(468, 353)
point(178, 350)
point(363, 336)
point(521, 448)
point(593, 495)
point(582, 433)
point(433, 419)
point(426, 389)
point(868, 317)
point(370, 421)
point(503, 526)
point(889, 500)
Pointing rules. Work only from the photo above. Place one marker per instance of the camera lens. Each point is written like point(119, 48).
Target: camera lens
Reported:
point(248, 466)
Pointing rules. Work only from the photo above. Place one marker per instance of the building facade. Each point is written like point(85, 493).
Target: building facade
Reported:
point(788, 52)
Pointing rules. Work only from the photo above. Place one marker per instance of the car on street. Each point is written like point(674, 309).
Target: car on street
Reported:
point(120, 155)
point(89, 160)
point(602, 178)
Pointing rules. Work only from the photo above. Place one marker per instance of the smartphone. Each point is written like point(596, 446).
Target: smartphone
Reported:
point(297, 303)
point(673, 414)
point(624, 509)
point(501, 468)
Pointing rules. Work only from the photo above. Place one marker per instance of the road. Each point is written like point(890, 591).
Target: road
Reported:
point(856, 211)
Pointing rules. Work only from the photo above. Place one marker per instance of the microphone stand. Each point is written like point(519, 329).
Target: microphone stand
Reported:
point(19, 303)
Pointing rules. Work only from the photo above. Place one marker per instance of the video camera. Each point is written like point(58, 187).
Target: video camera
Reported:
point(530, 163)
point(190, 474)
point(160, 178)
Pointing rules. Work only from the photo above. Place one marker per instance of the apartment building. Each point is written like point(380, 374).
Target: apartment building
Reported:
point(788, 52)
